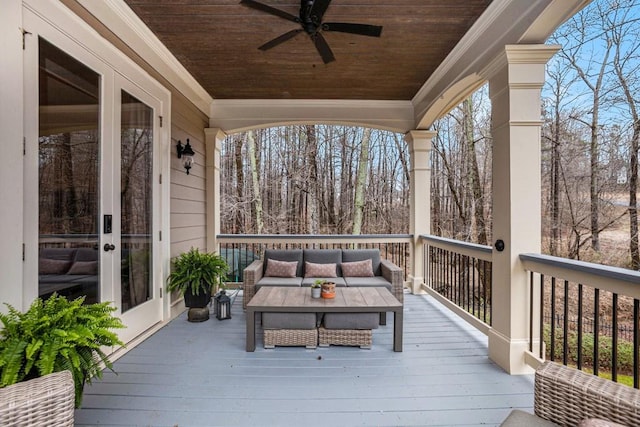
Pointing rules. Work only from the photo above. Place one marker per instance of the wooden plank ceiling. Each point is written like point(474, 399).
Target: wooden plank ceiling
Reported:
point(217, 41)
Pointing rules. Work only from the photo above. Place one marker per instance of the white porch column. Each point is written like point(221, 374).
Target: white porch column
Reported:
point(420, 201)
point(516, 120)
point(213, 146)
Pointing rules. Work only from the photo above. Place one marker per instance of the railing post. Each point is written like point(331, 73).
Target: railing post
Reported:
point(213, 146)
point(420, 201)
point(515, 83)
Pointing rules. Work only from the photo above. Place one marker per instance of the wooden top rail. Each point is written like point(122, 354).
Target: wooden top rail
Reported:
point(618, 280)
point(314, 238)
point(474, 250)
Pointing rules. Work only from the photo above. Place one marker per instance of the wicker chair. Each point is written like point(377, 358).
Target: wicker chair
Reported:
point(42, 402)
point(566, 396)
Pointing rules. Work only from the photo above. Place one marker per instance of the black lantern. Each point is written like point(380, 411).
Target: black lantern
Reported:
point(223, 305)
point(185, 152)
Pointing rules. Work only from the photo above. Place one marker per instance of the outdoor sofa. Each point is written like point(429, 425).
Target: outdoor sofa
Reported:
point(68, 271)
point(566, 396)
point(301, 268)
point(311, 264)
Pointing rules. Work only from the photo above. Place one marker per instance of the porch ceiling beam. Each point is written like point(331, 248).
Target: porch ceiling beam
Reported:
point(240, 115)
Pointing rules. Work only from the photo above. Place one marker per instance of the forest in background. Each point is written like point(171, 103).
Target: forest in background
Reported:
point(321, 179)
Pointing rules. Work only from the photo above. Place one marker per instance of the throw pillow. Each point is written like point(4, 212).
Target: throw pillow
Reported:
point(277, 268)
point(319, 270)
point(357, 269)
point(52, 266)
point(84, 267)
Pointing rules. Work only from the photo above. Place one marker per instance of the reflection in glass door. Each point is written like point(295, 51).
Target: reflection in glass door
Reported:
point(68, 164)
point(136, 177)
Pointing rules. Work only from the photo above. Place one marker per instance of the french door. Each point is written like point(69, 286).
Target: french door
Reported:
point(92, 151)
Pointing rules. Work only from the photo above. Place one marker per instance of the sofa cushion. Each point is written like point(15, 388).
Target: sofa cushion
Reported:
point(277, 268)
point(339, 281)
point(58, 253)
point(289, 320)
point(351, 320)
point(279, 281)
point(53, 266)
point(367, 281)
point(351, 255)
point(284, 255)
point(357, 268)
point(84, 267)
point(55, 278)
point(311, 269)
point(324, 256)
point(86, 254)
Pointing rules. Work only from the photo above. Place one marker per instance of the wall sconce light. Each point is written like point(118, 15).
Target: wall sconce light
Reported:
point(185, 152)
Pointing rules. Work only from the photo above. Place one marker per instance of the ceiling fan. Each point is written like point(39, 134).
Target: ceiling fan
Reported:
point(310, 21)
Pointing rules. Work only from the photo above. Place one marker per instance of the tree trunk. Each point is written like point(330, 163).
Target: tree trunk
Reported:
point(555, 179)
point(257, 198)
point(361, 180)
point(239, 224)
point(633, 149)
point(312, 182)
point(474, 175)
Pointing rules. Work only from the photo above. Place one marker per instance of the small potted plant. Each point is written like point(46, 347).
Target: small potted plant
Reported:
point(316, 288)
point(328, 289)
point(195, 275)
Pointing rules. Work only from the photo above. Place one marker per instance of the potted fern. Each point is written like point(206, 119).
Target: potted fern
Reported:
point(56, 335)
point(195, 275)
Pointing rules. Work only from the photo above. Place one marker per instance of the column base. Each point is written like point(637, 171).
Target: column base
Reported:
point(416, 285)
point(509, 353)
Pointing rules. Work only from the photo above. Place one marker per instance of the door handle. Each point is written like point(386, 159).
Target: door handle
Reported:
point(109, 247)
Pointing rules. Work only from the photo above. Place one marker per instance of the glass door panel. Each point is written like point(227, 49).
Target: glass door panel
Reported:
point(136, 201)
point(69, 176)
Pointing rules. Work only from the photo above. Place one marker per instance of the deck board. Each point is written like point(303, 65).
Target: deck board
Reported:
point(442, 378)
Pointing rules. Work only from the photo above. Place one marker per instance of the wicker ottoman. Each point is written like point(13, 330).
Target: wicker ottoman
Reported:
point(352, 329)
point(290, 337)
point(362, 338)
point(290, 329)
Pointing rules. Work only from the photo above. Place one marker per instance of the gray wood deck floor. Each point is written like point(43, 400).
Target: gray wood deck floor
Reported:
point(198, 374)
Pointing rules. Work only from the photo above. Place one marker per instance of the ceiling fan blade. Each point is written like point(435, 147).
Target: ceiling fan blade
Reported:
point(361, 29)
point(281, 39)
point(318, 9)
point(271, 10)
point(323, 48)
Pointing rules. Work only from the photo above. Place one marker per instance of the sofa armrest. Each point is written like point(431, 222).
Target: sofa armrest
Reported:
point(251, 275)
point(567, 396)
point(393, 274)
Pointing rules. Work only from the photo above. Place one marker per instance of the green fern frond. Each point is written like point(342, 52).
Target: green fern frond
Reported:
point(13, 361)
point(54, 335)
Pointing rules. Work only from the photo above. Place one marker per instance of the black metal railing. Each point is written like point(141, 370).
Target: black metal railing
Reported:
point(595, 312)
point(461, 273)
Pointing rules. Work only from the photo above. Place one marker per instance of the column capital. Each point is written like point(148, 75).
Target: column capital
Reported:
point(530, 53)
point(521, 54)
point(215, 134)
point(420, 135)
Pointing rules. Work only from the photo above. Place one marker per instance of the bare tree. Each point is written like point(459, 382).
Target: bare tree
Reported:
point(623, 30)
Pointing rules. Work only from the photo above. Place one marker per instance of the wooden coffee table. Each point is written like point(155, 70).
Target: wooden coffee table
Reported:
point(278, 299)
